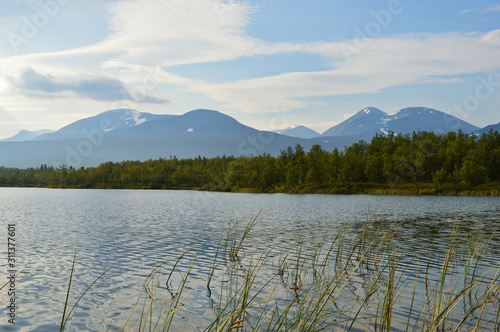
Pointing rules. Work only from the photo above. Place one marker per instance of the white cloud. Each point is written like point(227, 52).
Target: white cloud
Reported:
point(180, 31)
point(150, 36)
point(383, 63)
point(96, 87)
point(492, 38)
point(466, 11)
point(495, 9)
point(492, 9)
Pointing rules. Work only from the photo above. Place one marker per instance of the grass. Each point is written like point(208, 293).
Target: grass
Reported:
point(370, 278)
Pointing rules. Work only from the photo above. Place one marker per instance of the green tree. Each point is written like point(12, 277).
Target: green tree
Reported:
point(375, 169)
point(440, 177)
point(472, 174)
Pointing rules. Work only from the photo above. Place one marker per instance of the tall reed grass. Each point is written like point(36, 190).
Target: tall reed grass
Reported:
point(369, 278)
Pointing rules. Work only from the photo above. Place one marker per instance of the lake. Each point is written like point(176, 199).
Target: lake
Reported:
point(137, 230)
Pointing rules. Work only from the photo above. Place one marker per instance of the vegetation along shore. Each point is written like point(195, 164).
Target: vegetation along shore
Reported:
point(422, 163)
point(369, 278)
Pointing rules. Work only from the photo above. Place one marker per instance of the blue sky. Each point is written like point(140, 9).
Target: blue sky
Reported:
point(268, 63)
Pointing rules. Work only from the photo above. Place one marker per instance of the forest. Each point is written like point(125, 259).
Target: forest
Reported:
point(417, 163)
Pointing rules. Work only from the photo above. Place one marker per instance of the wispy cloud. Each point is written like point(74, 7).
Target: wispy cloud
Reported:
point(466, 11)
point(492, 9)
point(495, 9)
point(384, 63)
point(179, 31)
point(100, 88)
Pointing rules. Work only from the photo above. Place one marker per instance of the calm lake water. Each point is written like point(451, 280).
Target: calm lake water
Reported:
point(136, 230)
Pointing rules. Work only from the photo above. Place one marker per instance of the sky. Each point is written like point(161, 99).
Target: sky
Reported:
point(270, 64)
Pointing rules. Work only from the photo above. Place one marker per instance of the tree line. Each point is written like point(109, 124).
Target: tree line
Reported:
point(453, 160)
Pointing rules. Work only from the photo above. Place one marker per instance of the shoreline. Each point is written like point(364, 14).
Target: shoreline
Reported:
point(358, 189)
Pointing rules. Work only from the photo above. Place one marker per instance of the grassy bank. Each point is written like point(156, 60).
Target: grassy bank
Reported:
point(375, 277)
point(489, 189)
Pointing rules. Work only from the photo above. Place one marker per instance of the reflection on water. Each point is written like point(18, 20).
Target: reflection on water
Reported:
point(138, 230)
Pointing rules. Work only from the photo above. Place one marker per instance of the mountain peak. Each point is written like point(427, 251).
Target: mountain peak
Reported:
point(117, 119)
point(203, 111)
point(417, 110)
point(208, 116)
point(371, 120)
point(361, 122)
point(371, 110)
point(298, 131)
point(197, 122)
point(26, 135)
point(120, 110)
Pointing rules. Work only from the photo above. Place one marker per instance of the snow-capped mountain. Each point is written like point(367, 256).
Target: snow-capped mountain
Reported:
point(26, 135)
point(298, 131)
point(106, 122)
point(370, 121)
point(197, 122)
point(412, 119)
point(119, 135)
point(366, 120)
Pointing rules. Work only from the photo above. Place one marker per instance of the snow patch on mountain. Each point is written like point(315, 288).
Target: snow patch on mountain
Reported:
point(134, 118)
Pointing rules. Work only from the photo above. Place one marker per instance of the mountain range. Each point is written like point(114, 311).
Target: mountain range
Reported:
point(26, 135)
point(126, 134)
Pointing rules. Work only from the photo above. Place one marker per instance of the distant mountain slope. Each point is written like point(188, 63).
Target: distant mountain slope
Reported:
point(485, 130)
point(107, 122)
point(370, 121)
point(197, 122)
point(412, 119)
point(26, 135)
point(298, 131)
point(366, 120)
point(83, 152)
